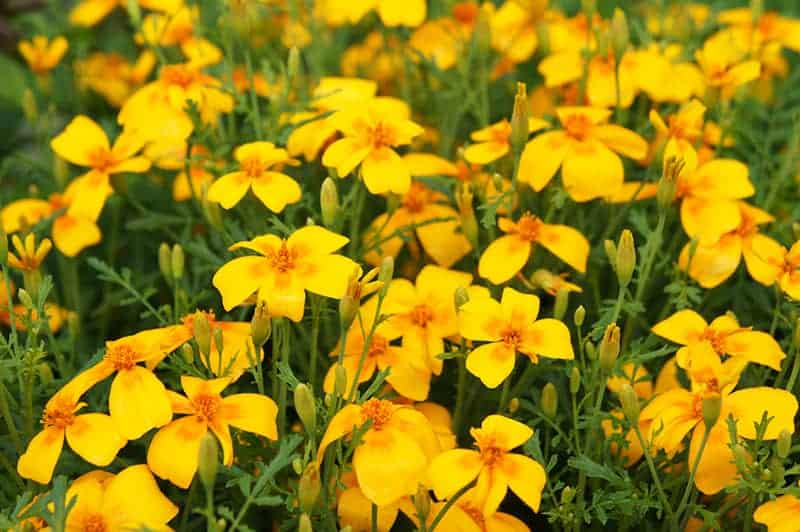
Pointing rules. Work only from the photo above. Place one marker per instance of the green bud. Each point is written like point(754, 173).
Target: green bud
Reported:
point(202, 334)
point(549, 400)
point(469, 224)
point(422, 502)
point(626, 258)
point(297, 466)
point(609, 347)
point(329, 202)
point(3, 246)
point(796, 231)
point(306, 407)
point(208, 460)
point(519, 120)
point(461, 297)
point(218, 339)
point(304, 525)
point(579, 316)
point(187, 353)
point(513, 405)
point(293, 63)
point(45, 373)
point(630, 403)
point(339, 380)
point(574, 380)
point(25, 298)
point(348, 305)
point(590, 349)
point(784, 444)
point(668, 183)
point(212, 212)
point(567, 494)
point(60, 170)
point(482, 32)
point(260, 325)
point(757, 9)
point(385, 274)
point(134, 12)
point(178, 261)
point(620, 34)
point(611, 253)
point(165, 262)
point(308, 487)
point(543, 36)
point(561, 303)
point(711, 407)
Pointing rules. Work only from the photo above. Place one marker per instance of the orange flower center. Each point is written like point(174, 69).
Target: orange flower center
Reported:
point(528, 227)
point(377, 346)
point(381, 135)
point(416, 198)
point(57, 201)
point(122, 357)
point(475, 514)
point(378, 411)
point(511, 337)
point(748, 227)
point(501, 132)
point(284, 259)
point(206, 406)
point(253, 167)
point(466, 12)
point(715, 338)
point(179, 75)
point(577, 126)
point(95, 523)
point(768, 25)
point(58, 416)
point(101, 159)
point(421, 315)
point(490, 452)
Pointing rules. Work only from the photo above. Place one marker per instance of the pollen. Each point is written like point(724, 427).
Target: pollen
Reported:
point(381, 135)
point(416, 198)
point(101, 159)
point(421, 315)
point(95, 523)
point(58, 416)
point(284, 259)
point(377, 346)
point(511, 337)
point(577, 126)
point(206, 406)
point(491, 453)
point(253, 167)
point(378, 411)
point(528, 227)
point(122, 357)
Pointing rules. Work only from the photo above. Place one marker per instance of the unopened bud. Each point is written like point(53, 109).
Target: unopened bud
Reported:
point(482, 31)
point(165, 262)
point(513, 405)
point(620, 34)
point(260, 325)
point(308, 487)
point(609, 347)
point(304, 525)
point(385, 274)
point(590, 349)
point(297, 466)
point(579, 316)
point(306, 407)
point(212, 212)
point(3, 246)
point(543, 36)
point(796, 336)
point(460, 297)
point(469, 224)
point(293, 63)
point(177, 261)
point(711, 407)
point(796, 230)
point(784, 444)
point(567, 494)
point(202, 334)
point(348, 305)
point(45, 373)
point(218, 338)
point(339, 380)
point(626, 258)
point(208, 460)
point(497, 181)
point(756, 9)
point(574, 380)
point(187, 353)
point(561, 303)
point(422, 502)
point(519, 120)
point(134, 12)
point(25, 298)
point(329, 202)
point(630, 403)
point(549, 400)
point(611, 253)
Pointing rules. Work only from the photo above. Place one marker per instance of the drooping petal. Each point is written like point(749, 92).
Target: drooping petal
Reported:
point(344, 422)
point(229, 189)
point(716, 468)
point(138, 402)
point(344, 155)
point(276, 190)
point(684, 327)
point(351, 505)
point(712, 265)
point(452, 470)
point(591, 170)
point(389, 465)
point(384, 171)
point(709, 219)
point(133, 497)
point(503, 258)
point(173, 452)
point(72, 235)
point(239, 278)
point(491, 363)
point(526, 478)
point(622, 140)
point(94, 438)
point(39, 460)
point(749, 405)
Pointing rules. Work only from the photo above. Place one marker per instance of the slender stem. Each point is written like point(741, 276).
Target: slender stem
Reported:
point(355, 220)
point(654, 473)
point(460, 391)
point(211, 523)
point(316, 310)
point(284, 387)
point(450, 502)
point(374, 517)
point(501, 406)
point(795, 369)
point(187, 509)
point(692, 473)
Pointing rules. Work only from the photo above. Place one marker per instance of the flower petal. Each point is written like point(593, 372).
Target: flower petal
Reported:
point(173, 453)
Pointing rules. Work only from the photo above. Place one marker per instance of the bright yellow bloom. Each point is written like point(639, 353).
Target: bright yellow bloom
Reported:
point(285, 269)
point(510, 326)
point(394, 451)
point(424, 312)
point(681, 131)
point(441, 421)
point(770, 27)
point(90, 12)
point(42, 54)
point(677, 412)
point(509, 254)
point(724, 336)
point(177, 29)
point(440, 41)
point(112, 76)
point(442, 241)
point(274, 189)
point(173, 453)
point(495, 467)
point(552, 283)
point(779, 265)
point(393, 13)
point(725, 65)
point(514, 29)
point(371, 132)
point(29, 256)
point(93, 437)
point(355, 510)
point(494, 141)
point(129, 500)
point(584, 150)
point(779, 515)
point(712, 265)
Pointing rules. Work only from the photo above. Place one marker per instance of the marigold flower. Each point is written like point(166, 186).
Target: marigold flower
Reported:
point(778, 265)
point(509, 326)
point(394, 451)
point(424, 313)
point(768, 28)
point(466, 515)
point(42, 54)
point(90, 12)
point(354, 509)
point(173, 453)
point(285, 269)
point(93, 437)
point(177, 29)
point(391, 12)
point(371, 132)
point(584, 150)
point(129, 500)
point(725, 65)
point(509, 254)
point(513, 29)
point(112, 76)
point(494, 141)
point(29, 256)
point(274, 189)
point(724, 336)
point(677, 412)
point(780, 514)
point(493, 464)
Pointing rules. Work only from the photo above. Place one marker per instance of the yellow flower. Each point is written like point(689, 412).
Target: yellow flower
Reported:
point(712, 265)
point(513, 28)
point(681, 131)
point(112, 76)
point(675, 413)
point(173, 453)
point(768, 28)
point(394, 452)
point(274, 189)
point(509, 326)
point(90, 12)
point(584, 150)
point(778, 265)
point(508, 254)
point(355, 510)
point(724, 64)
point(41, 54)
point(285, 269)
point(177, 29)
point(442, 240)
point(371, 132)
point(93, 437)
point(424, 313)
point(779, 515)
point(29, 256)
point(724, 336)
point(129, 500)
point(495, 467)
point(552, 283)
point(494, 142)
point(393, 13)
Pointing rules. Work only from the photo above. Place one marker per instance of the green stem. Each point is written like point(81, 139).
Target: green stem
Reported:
point(374, 517)
point(450, 502)
point(692, 473)
point(284, 387)
point(795, 369)
point(355, 220)
point(501, 407)
point(460, 391)
point(211, 523)
point(654, 473)
point(187, 509)
point(316, 310)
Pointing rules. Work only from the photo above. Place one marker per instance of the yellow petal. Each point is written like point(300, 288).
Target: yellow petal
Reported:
point(763, 258)
point(684, 327)
point(566, 243)
point(39, 460)
point(344, 422)
point(493, 486)
point(251, 412)
point(239, 278)
point(411, 13)
point(352, 506)
point(134, 496)
point(384, 171)
point(749, 405)
point(388, 465)
point(344, 155)
point(138, 402)
point(542, 158)
point(548, 338)
point(229, 189)
point(90, 12)
point(709, 219)
point(478, 320)
point(173, 453)
point(716, 469)
point(94, 438)
point(443, 241)
point(591, 170)
point(29, 210)
point(503, 258)
point(518, 307)
point(723, 179)
point(622, 140)
point(452, 470)
point(779, 515)
point(79, 140)
point(486, 152)
point(526, 478)
point(276, 190)
point(509, 433)
point(491, 363)
point(328, 276)
point(73, 235)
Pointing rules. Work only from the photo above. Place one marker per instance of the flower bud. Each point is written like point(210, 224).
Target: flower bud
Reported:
point(796, 230)
point(579, 316)
point(293, 63)
point(611, 253)
point(460, 297)
point(561, 303)
point(260, 325)
point(422, 502)
point(482, 32)
point(339, 380)
point(668, 183)
point(513, 405)
point(784, 445)
point(348, 305)
point(519, 120)
point(630, 403)
point(711, 406)
point(187, 353)
point(208, 460)
point(306, 407)
point(25, 298)
point(549, 400)
point(3, 246)
point(165, 262)
point(211, 211)
point(590, 350)
point(304, 525)
point(134, 12)
point(308, 487)
point(620, 34)
point(216, 333)
point(45, 373)
point(567, 494)
point(756, 9)
point(609, 347)
point(297, 466)
point(574, 380)
point(177, 261)
point(469, 224)
point(543, 36)
point(626, 258)
point(202, 334)
point(329, 202)
point(385, 274)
